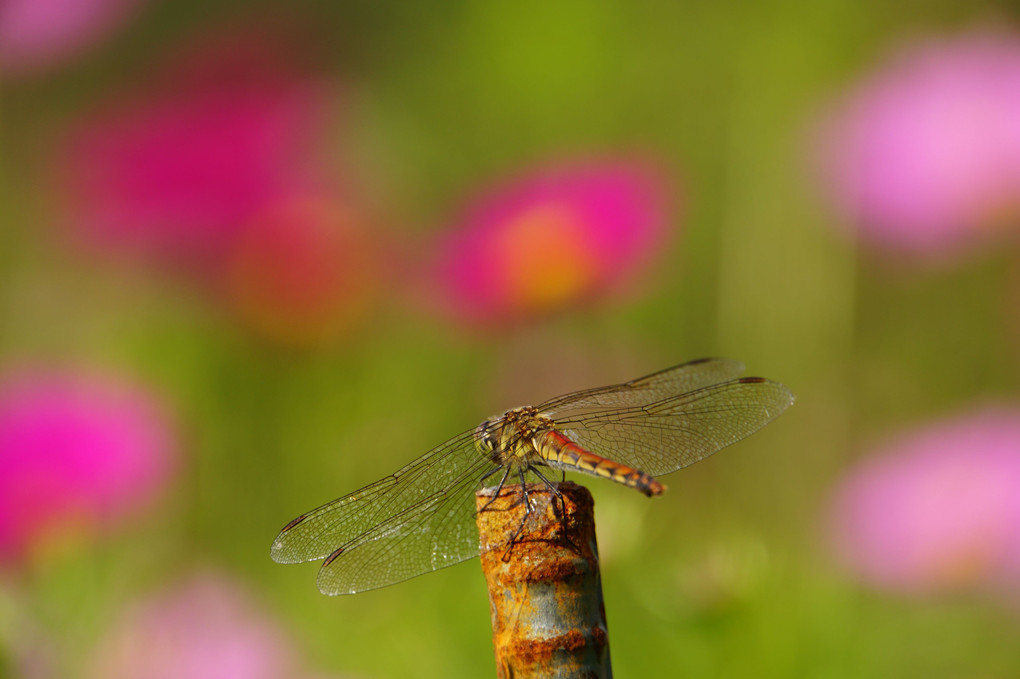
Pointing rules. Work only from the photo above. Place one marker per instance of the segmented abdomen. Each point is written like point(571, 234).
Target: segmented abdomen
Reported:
point(559, 451)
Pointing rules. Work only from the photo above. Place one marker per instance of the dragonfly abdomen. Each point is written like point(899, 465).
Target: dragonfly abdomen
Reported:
point(559, 451)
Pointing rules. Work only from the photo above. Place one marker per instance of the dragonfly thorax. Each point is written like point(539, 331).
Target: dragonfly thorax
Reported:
point(510, 438)
point(422, 517)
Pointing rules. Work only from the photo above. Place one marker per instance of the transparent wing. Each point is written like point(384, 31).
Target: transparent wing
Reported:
point(438, 532)
point(416, 520)
point(648, 389)
point(675, 431)
point(421, 518)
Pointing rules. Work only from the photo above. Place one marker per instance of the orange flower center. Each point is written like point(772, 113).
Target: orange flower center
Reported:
point(547, 260)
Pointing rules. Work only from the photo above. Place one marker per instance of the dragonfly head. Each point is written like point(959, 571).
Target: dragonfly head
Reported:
point(487, 436)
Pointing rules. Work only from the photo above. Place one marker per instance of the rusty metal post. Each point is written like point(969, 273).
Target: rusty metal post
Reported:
point(545, 591)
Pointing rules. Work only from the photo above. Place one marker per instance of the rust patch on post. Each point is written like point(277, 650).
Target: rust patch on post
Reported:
point(545, 589)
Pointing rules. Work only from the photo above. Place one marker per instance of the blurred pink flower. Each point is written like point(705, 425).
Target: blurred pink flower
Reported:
point(552, 238)
point(77, 453)
point(938, 508)
point(925, 154)
point(204, 627)
point(304, 271)
point(175, 174)
point(36, 34)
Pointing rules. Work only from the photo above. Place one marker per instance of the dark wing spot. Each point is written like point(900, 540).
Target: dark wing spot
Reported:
point(752, 380)
point(332, 557)
point(293, 523)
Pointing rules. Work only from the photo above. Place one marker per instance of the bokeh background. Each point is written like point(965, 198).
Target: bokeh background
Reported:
point(254, 257)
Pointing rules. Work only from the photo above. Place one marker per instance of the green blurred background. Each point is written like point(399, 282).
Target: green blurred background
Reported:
point(728, 574)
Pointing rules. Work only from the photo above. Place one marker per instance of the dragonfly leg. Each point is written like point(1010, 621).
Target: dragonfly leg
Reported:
point(524, 491)
point(490, 473)
point(524, 519)
point(499, 487)
point(549, 484)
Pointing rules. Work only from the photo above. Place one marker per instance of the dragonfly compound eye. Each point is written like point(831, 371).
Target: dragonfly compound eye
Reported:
point(416, 519)
point(484, 438)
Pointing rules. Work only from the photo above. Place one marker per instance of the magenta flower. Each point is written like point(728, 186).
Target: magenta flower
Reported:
point(77, 454)
point(925, 154)
point(557, 236)
point(304, 271)
point(36, 34)
point(176, 173)
point(204, 627)
point(938, 508)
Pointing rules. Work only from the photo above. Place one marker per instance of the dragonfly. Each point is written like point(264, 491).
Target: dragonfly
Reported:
point(421, 517)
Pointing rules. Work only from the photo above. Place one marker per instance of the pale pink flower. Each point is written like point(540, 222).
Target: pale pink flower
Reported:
point(204, 627)
point(937, 508)
point(78, 454)
point(36, 34)
point(176, 172)
point(924, 155)
point(553, 237)
point(304, 271)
